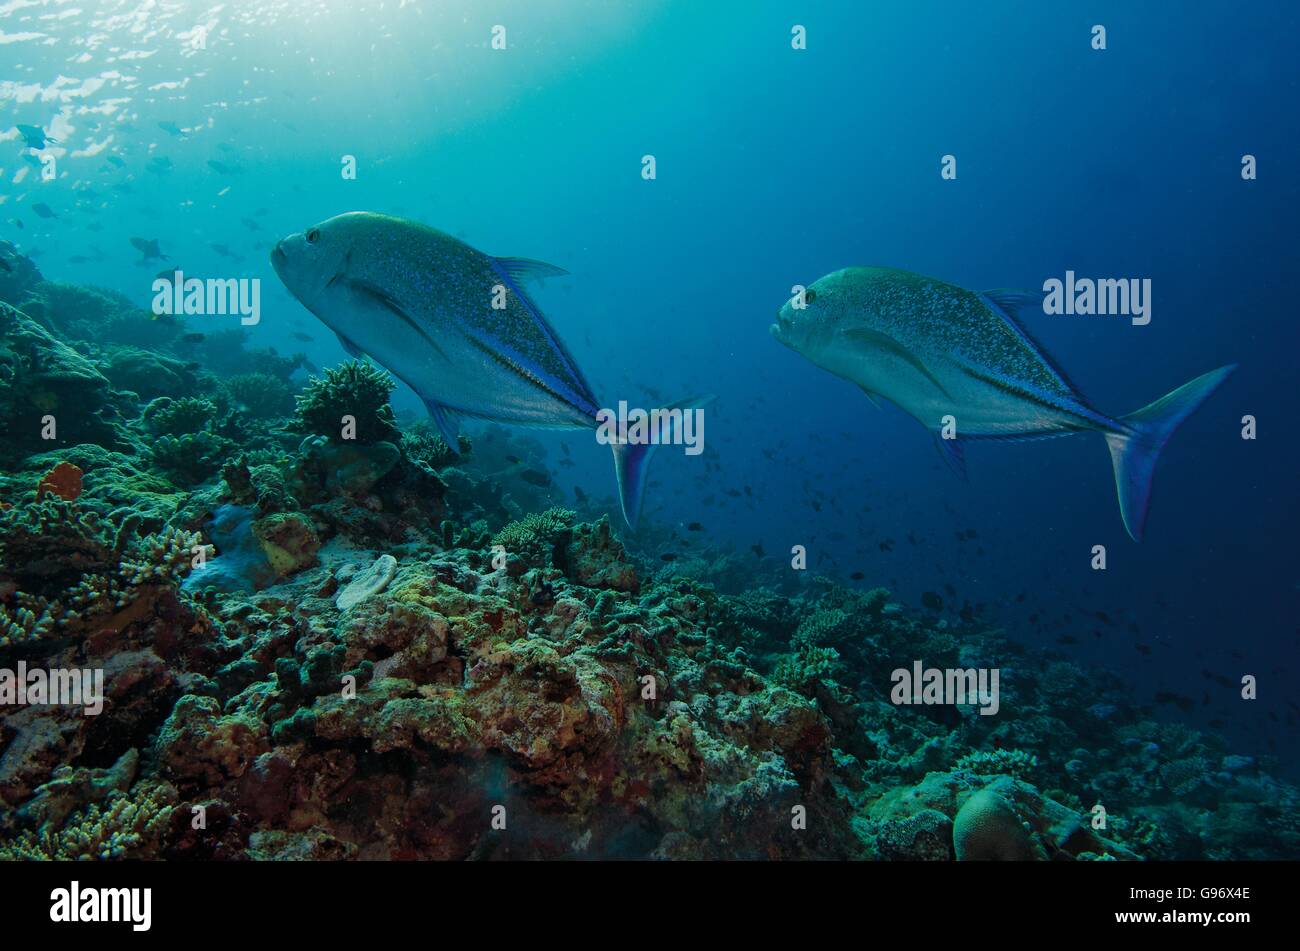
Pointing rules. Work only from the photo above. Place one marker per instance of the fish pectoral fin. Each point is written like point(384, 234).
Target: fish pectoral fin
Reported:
point(875, 340)
point(446, 424)
point(351, 348)
point(381, 298)
point(875, 400)
point(526, 269)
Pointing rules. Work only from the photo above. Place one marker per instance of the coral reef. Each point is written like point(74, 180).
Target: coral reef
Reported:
point(340, 644)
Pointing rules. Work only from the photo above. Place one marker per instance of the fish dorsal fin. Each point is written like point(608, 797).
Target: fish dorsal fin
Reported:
point(446, 424)
point(351, 348)
point(502, 266)
point(1011, 301)
point(881, 341)
point(1007, 304)
point(526, 269)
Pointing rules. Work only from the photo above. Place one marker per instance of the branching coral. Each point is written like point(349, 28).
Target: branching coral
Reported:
point(192, 458)
point(802, 670)
point(261, 395)
point(122, 827)
point(429, 450)
point(165, 416)
point(355, 389)
point(1003, 762)
point(68, 567)
point(532, 539)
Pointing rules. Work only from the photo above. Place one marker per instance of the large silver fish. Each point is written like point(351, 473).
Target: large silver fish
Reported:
point(937, 350)
point(420, 303)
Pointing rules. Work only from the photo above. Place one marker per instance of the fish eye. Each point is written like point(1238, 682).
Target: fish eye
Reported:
point(312, 235)
point(809, 296)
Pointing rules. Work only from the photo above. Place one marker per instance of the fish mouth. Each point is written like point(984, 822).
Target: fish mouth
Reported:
point(780, 327)
point(278, 257)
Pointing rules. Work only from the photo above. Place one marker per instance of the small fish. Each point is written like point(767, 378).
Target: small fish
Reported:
point(223, 168)
point(757, 549)
point(857, 576)
point(415, 300)
point(667, 556)
point(579, 494)
point(148, 249)
point(171, 128)
point(44, 210)
point(937, 350)
point(695, 527)
point(34, 136)
point(305, 338)
point(535, 477)
point(250, 224)
point(115, 161)
point(194, 337)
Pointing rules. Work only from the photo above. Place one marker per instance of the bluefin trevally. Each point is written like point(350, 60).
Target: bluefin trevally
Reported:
point(419, 302)
point(937, 350)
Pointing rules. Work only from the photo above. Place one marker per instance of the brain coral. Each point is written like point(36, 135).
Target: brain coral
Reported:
point(987, 829)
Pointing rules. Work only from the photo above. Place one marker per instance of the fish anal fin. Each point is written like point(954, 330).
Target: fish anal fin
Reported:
point(445, 423)
point(954, 454)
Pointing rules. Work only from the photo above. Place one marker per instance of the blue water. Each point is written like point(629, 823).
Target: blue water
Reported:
point(776, 166)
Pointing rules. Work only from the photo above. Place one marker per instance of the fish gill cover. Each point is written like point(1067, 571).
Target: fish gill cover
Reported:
point(311, 541)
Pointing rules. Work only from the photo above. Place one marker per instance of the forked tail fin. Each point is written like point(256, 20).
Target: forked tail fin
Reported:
point(1133, 452)
point(632, 458)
